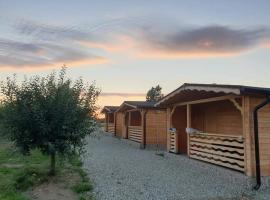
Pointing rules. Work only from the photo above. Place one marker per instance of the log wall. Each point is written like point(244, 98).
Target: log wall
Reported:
point(264, 136)
point(217, 117)
point(119, 124)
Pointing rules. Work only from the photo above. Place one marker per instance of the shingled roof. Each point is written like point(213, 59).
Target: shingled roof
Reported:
point(109, 109)
point(209, 90)
point(137, 104)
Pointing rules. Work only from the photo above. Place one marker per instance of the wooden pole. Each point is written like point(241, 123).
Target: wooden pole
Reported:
point(128, 124)
point(124, 125)
point(106, 121)
point(188, 125)
point(115, 118)
point(142, 112)
point(168, 128)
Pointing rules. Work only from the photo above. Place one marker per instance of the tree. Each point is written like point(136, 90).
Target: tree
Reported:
point(154, 94)
point(49, 113)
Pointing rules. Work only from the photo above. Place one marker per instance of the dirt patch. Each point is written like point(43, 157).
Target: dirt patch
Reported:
point(15, 166)
point(51, 191)
point(57, 188)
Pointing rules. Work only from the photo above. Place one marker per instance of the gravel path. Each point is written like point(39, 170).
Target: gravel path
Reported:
point(122, 171)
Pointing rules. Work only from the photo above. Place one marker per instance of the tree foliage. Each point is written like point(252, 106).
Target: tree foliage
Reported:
point(154, 94)
point(50, 113)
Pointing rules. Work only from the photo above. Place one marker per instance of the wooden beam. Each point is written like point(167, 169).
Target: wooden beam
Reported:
point(115, 116)
point(188, 125)
point(169, 124)
point(126, 124)
point(244, 130)
point(221, 98)
point(143, 115)
point(129, 117)
point(133, 110)
point(236, 104)
point(174, 107)
point(107, 121)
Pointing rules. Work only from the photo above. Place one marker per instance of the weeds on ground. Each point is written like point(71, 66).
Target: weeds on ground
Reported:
point(83, 187)
point(18, 173)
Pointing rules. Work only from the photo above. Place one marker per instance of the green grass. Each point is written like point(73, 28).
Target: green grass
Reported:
point(82, 187)
point(18, 172)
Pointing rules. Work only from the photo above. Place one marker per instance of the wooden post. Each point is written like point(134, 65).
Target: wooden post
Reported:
point(123, 125)
point(188, 125)
point(128, 124)
point(143, 144)
point(168, 128)
point(244, 115)
point(106, 121)
point(114, 116)
point(129, 118)
point(248, 137)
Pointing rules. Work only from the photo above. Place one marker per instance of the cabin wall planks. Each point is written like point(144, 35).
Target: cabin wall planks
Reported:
point(119, 124)
point(264, 137)
point(156, 127)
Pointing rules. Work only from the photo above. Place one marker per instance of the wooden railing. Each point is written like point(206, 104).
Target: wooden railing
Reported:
point(224, 150)
point(135, 133)
point(111, 128)
point(173, 142)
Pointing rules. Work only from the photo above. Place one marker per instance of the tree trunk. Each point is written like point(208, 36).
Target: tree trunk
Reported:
point(52, 171)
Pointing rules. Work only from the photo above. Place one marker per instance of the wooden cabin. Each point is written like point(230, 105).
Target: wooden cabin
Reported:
point(109, 112)
point(141, 122)
point(220, 122)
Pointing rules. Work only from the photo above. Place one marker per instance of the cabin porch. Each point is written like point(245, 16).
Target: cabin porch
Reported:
point(134, 125)
point(217, 125)
point(110, 125)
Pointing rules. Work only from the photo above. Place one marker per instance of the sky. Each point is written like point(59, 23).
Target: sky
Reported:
point(127, 47)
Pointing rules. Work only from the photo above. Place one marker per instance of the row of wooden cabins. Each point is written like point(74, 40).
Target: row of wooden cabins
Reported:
point(220, 121)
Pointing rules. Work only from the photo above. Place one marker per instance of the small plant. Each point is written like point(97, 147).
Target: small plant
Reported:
point(29, 177)
point(82, 187)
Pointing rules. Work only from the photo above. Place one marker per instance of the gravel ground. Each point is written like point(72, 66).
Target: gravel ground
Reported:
point(122, 171)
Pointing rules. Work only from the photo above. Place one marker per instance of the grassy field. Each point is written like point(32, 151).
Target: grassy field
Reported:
point(19, 173)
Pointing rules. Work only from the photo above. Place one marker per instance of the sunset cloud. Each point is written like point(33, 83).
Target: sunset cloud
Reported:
point(203, 41)
point(46, 45)
point(16, 54)
point(188, 42)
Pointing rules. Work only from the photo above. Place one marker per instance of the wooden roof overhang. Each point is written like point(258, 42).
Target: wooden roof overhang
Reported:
point(109, 109)
point(196, 97)
point(202, 93)
point(132, 106)
point(126, 107)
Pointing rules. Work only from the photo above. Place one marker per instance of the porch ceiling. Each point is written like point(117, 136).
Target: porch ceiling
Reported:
point(191, 95)
point(192, 92)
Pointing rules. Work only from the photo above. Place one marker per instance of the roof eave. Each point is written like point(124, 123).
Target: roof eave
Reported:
point(216, 89)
